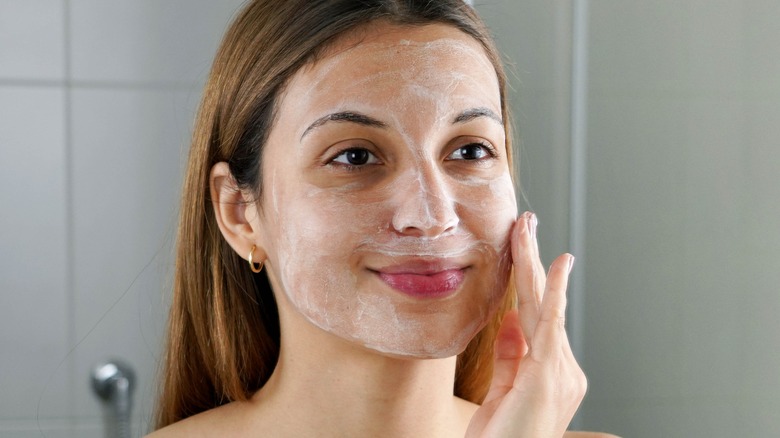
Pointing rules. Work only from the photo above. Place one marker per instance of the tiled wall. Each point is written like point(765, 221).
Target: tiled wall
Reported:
point(535, 38)
point(683, 237)
point(96, 105)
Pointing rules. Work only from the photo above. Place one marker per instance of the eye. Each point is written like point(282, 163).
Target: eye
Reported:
point(355, 157)
point(472, 151)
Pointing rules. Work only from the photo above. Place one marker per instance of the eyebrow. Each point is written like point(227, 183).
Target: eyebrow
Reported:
point(345, 116)
point(473, 113)
point(362, 119)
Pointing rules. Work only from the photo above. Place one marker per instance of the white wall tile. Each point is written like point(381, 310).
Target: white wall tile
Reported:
point(146, 41)
point(31, 40)
point(127, 155)
point(33, 317)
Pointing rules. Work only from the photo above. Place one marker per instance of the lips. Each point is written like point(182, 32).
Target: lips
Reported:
point(423, 279)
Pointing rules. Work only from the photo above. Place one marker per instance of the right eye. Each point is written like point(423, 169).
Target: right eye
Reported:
point(355, 157)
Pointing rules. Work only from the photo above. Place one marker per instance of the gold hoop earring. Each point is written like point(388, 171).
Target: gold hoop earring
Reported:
point(252, 264)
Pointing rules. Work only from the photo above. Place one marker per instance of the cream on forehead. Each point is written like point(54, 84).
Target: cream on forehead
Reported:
point(324, 239)
point(424, 70)
point(406, 48)
point(424, 58)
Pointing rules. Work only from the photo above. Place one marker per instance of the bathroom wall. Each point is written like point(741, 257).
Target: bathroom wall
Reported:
point(535, 38)
point(96, 104)
point(683, 212)
point(679, 270)
point(677, 308)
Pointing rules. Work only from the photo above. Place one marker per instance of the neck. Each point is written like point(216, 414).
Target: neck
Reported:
point(325, 384)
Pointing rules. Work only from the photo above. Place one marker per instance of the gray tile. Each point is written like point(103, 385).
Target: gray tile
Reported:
point(760, 55)
point(682, 219)
point(636, 46)
point(146, 41)
point(131, 332)
point(635, 212)
point(43, 428)
point(33, 313)
point(31, 40)
point(535, 38)
point(127, 154)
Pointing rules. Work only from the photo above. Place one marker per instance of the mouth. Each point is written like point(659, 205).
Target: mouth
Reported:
point(424, 279)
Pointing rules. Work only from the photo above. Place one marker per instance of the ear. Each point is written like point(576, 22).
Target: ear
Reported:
point(236, 213)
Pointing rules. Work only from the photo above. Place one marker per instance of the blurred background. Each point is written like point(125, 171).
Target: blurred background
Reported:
point(649, 137)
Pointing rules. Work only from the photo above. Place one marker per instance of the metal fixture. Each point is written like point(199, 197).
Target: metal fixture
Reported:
point(113, 383)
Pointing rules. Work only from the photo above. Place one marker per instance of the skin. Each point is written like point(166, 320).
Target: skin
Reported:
point(359, 357)
point(332, 226)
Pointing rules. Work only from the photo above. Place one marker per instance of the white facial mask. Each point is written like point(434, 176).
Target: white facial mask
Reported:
point(334, 236)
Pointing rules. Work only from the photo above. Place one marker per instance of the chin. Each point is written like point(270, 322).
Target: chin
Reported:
point(417, 354)
point(425, 348)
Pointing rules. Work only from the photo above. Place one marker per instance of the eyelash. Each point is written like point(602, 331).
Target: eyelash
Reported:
point(491, 151)
point(487, 147)
point(352, 167)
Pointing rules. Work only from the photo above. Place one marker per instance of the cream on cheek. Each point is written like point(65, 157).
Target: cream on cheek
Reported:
point(326, 238)
point(486, 213)
point(318, 273)
point(326, 235)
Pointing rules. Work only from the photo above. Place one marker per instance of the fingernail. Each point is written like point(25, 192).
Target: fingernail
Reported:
point(532, 225)
point(571, 263)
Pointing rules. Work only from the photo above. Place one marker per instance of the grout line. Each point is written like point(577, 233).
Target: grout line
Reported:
point(69, 211)
point(578, 191)
point(68, 82)
point(578, 163)
point(26, 82)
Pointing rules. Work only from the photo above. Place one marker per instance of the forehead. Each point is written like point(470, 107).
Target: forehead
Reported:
point(413, 62)
point(408, 49)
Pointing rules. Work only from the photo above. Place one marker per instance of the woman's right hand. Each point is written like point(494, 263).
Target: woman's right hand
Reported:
point(537, 384)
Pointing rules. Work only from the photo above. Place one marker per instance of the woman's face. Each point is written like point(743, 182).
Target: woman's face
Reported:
point(387, 199)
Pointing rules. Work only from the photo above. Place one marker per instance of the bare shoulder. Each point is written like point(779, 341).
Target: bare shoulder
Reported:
point(573, 434)
point(214, 422)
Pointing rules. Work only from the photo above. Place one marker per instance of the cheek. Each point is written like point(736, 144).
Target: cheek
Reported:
point(489, 209)
point(318, 234)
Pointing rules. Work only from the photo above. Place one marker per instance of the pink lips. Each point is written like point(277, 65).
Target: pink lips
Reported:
point(423, 280)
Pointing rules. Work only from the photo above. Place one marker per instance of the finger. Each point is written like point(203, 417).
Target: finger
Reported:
point(550, 333)
point(529, 273)
point(540, 272)
point(509, 350)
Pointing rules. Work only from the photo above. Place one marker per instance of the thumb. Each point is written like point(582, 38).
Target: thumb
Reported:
point(509, 350)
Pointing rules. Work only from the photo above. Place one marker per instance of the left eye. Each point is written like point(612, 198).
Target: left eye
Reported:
point(356, 157)
point(473, 151)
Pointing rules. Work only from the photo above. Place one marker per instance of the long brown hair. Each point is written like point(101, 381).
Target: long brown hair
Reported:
point(223, 333)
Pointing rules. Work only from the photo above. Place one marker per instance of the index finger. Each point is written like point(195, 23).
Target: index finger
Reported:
point(530, 278)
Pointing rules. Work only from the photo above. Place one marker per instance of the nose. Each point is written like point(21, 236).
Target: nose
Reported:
point(425, 207)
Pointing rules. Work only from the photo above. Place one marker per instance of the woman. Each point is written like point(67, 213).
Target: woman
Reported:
point(348, 229)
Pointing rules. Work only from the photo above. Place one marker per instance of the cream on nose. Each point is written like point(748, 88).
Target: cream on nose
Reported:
point(425, 207)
